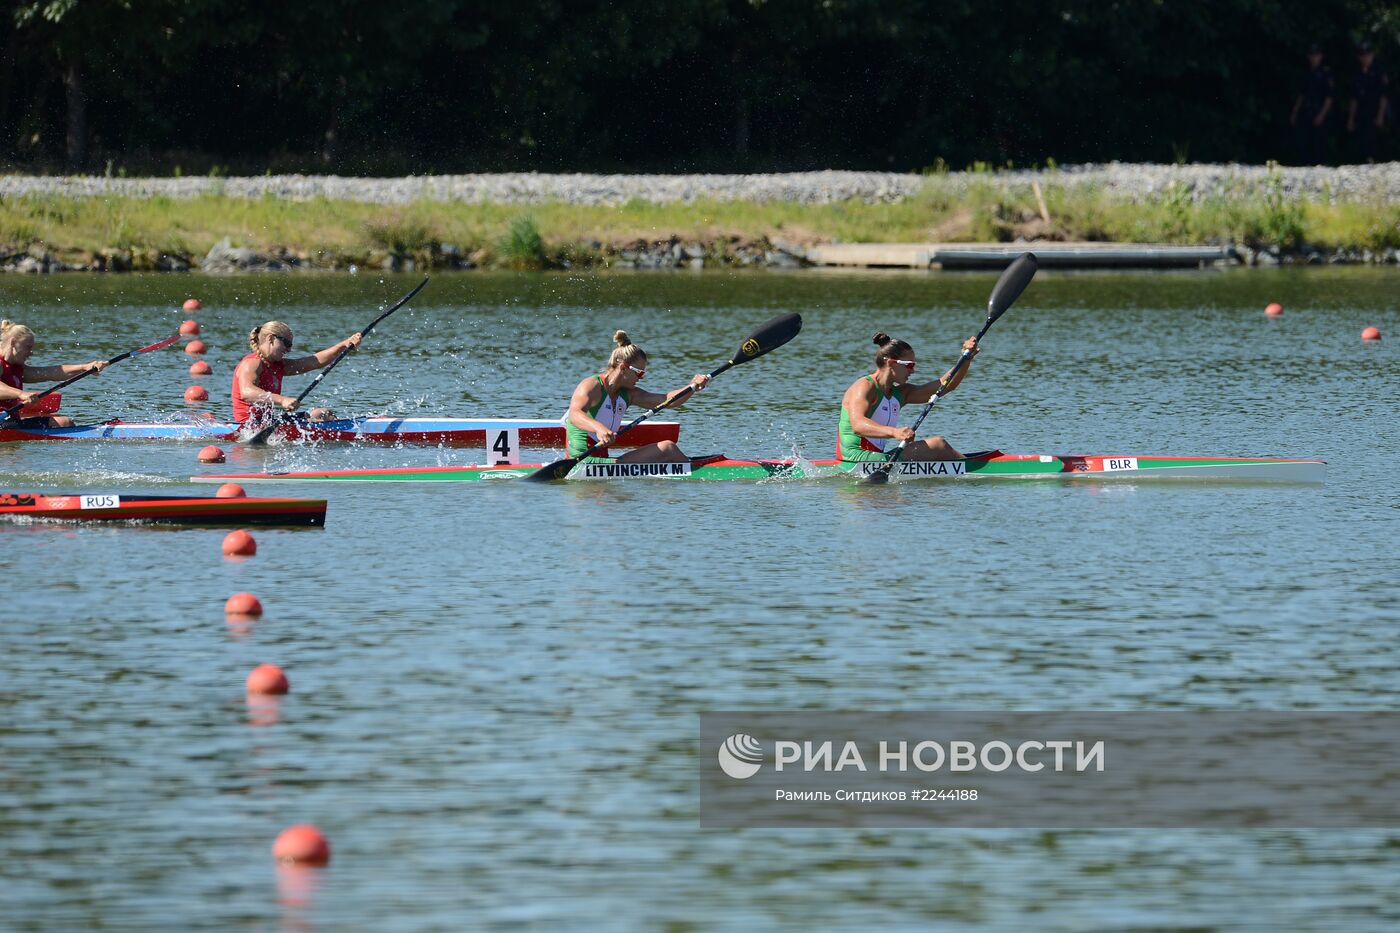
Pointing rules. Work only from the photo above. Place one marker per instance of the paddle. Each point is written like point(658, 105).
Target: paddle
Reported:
point(770, 336)
point(262, 435)
point(14, 413)
point(1008, 288)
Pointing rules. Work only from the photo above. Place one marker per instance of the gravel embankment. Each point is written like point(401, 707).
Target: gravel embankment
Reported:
point(1371, 182)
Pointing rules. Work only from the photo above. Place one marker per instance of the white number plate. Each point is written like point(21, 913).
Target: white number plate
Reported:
point(99, 502)
point(502, 446)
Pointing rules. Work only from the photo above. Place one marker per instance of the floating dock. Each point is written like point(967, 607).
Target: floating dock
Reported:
point(997, 255)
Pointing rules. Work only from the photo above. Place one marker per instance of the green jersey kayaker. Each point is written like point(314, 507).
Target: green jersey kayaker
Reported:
point(599, 406)
point(870, 407)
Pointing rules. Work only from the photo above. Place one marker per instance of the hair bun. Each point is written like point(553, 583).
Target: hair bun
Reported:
point(621, 339)
point(881, 339)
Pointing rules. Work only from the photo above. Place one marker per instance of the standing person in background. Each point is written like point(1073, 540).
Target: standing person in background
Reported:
point(1311, 107)
point(1370, 104)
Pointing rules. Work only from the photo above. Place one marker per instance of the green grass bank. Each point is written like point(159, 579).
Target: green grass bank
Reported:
point(57, 232)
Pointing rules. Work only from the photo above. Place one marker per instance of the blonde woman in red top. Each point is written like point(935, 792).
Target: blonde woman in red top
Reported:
point(257, 380)
point(16, 344)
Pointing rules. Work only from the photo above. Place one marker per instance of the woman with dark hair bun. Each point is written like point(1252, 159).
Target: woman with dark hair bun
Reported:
point(870, 407)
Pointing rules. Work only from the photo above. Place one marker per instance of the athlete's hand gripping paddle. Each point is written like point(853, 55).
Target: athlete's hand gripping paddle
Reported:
point(768, 337)
point(1008, 288)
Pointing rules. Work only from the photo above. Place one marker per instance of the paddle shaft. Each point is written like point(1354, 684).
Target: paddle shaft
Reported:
point(14, 413)
point(947, 380)
point(262, 434)
point(364, 333)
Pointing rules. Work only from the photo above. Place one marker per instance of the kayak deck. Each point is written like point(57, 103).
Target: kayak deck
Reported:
point(430, 432)
point(172, 510)
point(988, 465)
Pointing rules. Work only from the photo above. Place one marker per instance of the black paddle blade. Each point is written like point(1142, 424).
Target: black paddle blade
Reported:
point(877, 477)
point(559, 469)
point(1009, 287)
point(770, 336)
point(266, 431)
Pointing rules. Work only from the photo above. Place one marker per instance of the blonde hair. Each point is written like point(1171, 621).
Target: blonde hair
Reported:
point(11, 331)
point(626, 351)
point(272, 327)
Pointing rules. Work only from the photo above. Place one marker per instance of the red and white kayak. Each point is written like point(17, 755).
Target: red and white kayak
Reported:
point(416, 432)
point(170, 510)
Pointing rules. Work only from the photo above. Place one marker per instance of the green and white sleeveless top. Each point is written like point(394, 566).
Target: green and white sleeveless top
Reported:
point(610, 411)
point(885, 412)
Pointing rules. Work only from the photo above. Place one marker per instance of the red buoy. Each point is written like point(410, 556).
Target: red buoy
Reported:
point(189, 328)
point(1274, 309)
point(303, 845)
point(268, 679)
point(230, 491)
point(243, 604)
point(200, 368)
point(196, 394)
point(211, 454)
point(196, 348)
point(239, 544)
point(1371, 333)
point(192, 304)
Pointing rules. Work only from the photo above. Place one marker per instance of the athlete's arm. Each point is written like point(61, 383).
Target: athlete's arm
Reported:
point(915, 395)
point(320, 360)
point(652, 399)
point(10, 393)
point(55, 373)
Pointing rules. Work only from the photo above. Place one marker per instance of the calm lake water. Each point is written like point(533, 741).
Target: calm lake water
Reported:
point(496, 687)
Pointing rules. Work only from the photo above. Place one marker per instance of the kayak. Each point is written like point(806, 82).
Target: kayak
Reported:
point(178, 510)
point(986, 465)
point(433, 432)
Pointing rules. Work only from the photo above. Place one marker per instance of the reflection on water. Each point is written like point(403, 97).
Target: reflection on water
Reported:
point(497, 685)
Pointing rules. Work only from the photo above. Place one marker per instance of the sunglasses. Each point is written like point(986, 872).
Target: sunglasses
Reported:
point(640, 372)
point(906, 363)
point(286, 341)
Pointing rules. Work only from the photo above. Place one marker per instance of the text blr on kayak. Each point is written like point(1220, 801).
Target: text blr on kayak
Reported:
point(986, 465)
point(431, 432)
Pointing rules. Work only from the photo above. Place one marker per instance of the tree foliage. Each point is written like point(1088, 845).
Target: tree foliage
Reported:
point(356, 86)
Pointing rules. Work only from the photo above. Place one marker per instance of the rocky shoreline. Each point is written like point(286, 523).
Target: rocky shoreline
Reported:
point(1374, 185)
point(727, 253)
point(226, 259)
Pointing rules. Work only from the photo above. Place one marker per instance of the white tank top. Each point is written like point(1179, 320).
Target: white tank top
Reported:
point(887, 414)
point(611, 412)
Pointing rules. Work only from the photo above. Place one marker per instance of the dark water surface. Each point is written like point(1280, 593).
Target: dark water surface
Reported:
point(496, 686)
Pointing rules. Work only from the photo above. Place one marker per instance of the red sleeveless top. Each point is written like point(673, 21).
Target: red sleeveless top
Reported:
point(12, 374)
point(269, 380)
